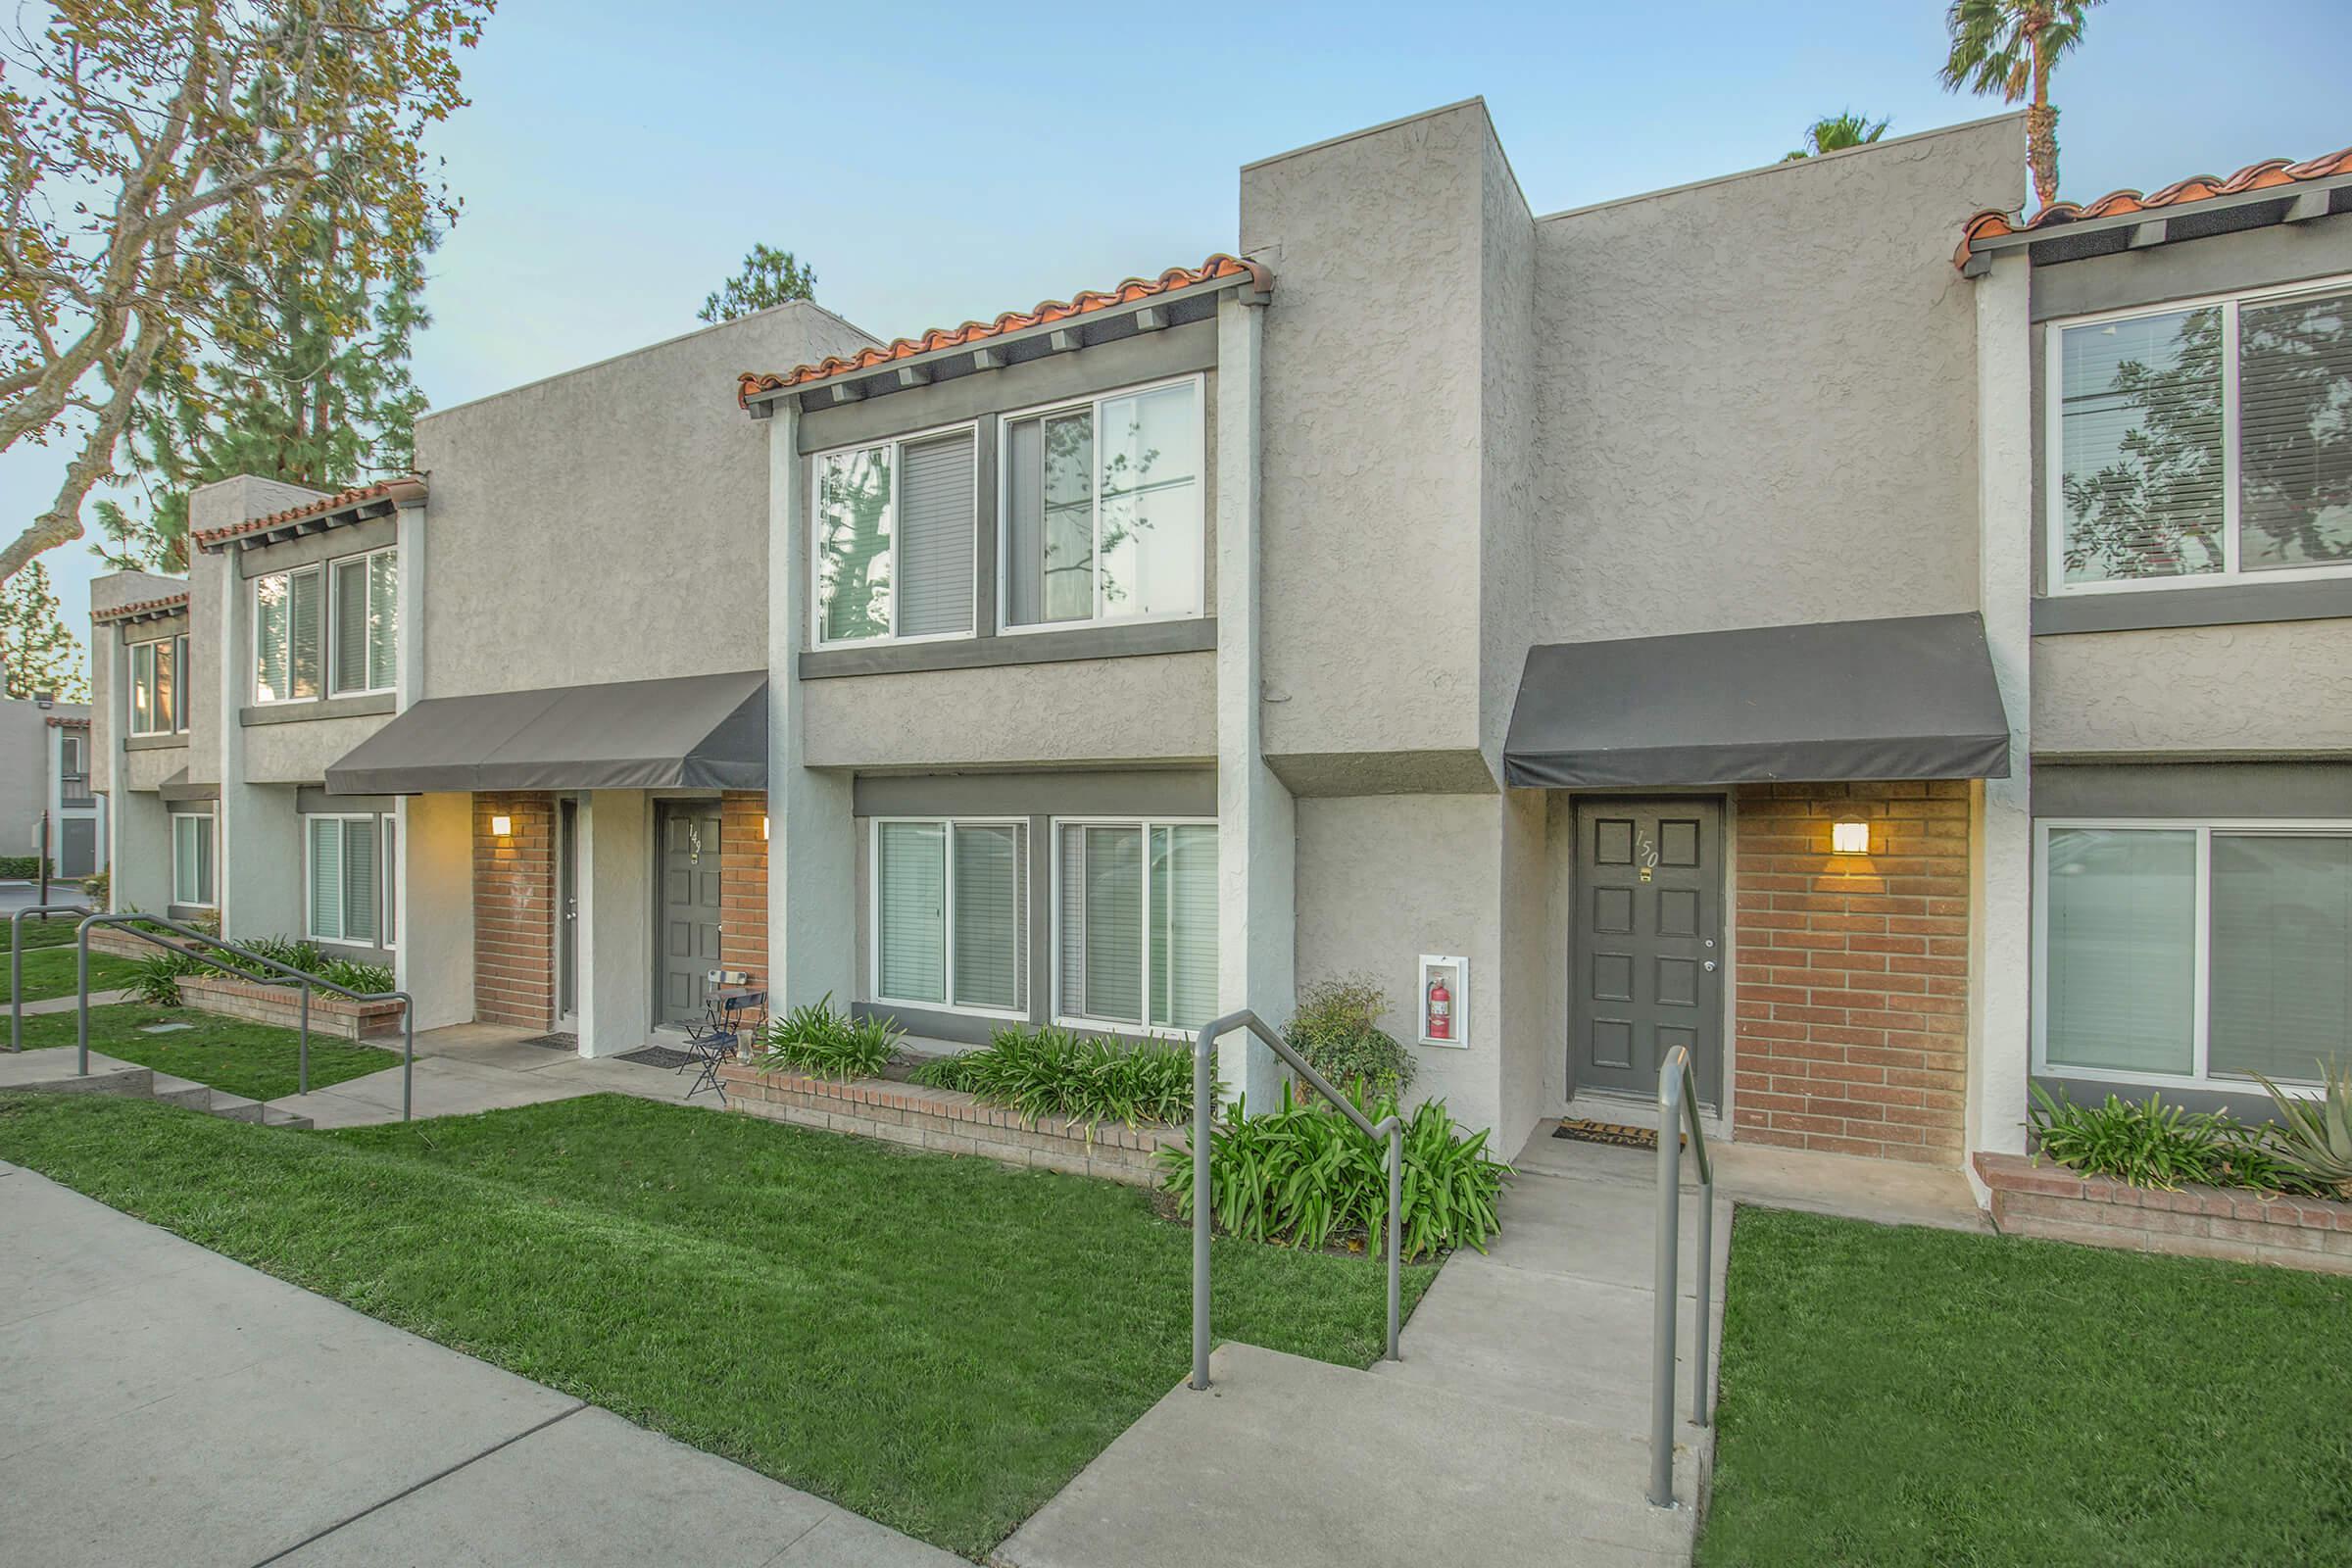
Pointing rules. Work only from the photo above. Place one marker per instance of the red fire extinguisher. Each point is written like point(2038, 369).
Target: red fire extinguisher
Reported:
point(1440, 1011)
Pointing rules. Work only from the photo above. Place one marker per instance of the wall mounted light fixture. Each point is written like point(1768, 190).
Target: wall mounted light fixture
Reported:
point(502, 827)
point(763, 830)
point(1849, 838)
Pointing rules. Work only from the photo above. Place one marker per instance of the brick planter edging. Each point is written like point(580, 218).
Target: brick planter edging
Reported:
point(281, 1007)
point(2051, 1202)
point(950, 1121)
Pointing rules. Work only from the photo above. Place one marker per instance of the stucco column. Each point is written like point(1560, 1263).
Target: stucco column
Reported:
point(616, 930)
point(2002, 901)
point(408, 641)
point(812, 944)
point(1257, 832)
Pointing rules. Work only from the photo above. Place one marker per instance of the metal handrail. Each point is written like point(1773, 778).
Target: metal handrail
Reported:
point(309, 982)
point(1205, 1097)
point(1678, 1102)
point(16, 963)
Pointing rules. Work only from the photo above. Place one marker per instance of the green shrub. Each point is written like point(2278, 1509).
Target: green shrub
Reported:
point(97, 888)
point(817, 1039)
point(2314, 1136)
point(1080, 1078)
point(2150, 1144)
point(1306, 1176)
point(355, 975)
point(20, 868)
point(159, 973)
point(1337, 1029)
point(157, 976)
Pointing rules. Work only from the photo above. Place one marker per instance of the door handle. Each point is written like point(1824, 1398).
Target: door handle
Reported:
point(1710, 966)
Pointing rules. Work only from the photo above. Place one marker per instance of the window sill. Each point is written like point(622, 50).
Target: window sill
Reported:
point(1195, 635)
point(2233, 604)
point(321, 708)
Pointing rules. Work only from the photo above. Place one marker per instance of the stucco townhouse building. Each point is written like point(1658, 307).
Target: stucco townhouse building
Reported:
point(48, 807)
point(1817, 617)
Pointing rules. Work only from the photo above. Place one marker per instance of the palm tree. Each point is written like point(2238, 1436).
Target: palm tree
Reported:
point(1834, 134)
point(2009, 47)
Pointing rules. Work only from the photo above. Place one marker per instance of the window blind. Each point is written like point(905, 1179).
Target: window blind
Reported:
point(937, 528)
point(391, 880)
point(991, 903)
point(1103, 956)
point(192, 859)
point(2141, 446)
point(360, 873)
point(911, 906)
point(2122, 949)
point(2281, 953)
point(2294, 432)
point(327, 877)
point(1184, 926)
point(383, 619)
point(142, 689)
point(350, 626)
point(308, 592)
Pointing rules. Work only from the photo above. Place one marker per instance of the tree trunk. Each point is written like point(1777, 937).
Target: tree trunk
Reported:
point(2041, 151)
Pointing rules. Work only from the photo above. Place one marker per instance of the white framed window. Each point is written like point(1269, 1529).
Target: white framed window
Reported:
point(192, 851)
point(182, 673)
point(70, 761)
point(1101, 509)
point(951, 914)
point(156, 668)
point(1134, 923)
point(2200, 951)
point(366, 617)
point(2207, 440)
point(893, 530)
point(289, 633)
point(344, 881)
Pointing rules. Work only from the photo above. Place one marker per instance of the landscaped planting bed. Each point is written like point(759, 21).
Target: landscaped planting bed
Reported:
point(938, 1343)
point(1905, 1398)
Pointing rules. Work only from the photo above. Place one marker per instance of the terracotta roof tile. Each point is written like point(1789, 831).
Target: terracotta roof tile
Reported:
point(752, 384)
point(54, 722)
point(1993, 225)
point(404, 488)
point(177, 601)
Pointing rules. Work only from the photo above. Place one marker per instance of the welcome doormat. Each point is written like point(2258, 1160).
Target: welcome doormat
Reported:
point(555, 1042)
point(657, 1056)
point(1615, 1134)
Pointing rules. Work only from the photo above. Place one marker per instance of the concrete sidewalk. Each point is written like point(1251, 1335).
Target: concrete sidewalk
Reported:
point(469, 1067)
point(160, 1403)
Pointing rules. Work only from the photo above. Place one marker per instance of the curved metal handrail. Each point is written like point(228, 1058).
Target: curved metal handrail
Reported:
point(309, 982)
point(16, 963)
point(1678, 1102)
point(1205, 1097)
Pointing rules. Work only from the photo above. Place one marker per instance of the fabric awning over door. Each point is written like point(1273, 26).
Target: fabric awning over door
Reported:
point(1909, 698)
point(687, 732)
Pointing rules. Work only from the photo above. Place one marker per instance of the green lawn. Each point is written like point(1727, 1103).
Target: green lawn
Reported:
point(939, 1344)
point(49, 971)
point(1901, 1395)
point(252, 1059)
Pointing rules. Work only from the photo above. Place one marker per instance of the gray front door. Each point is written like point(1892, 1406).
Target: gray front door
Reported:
point(1645, 972)
point(78, 847)
point(567, 911)
point(689, 908)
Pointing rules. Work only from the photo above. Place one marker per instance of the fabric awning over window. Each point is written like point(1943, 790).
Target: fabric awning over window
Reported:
point(689, 732)
point(1910, 698)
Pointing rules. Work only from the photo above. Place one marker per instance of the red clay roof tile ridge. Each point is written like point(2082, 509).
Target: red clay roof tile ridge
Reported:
point(399, 487)
point(752, 383)
point(2269, 172)
point(118, 611)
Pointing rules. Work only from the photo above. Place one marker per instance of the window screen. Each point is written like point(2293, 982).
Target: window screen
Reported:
point(1184, 926)
point(2281, 953)
point(1101, 933)
point(937, 528)
point(2120, 949)
point(345, 879)
point(992, 908)
point(911, 890)
point(192, 859)
point(2141, 446)
point(2294, 432)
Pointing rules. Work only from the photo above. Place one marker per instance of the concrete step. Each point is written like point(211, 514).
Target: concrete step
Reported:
point(1292, 1462)
point(182, 1092)
point(271, 1116)
point(52, 1072)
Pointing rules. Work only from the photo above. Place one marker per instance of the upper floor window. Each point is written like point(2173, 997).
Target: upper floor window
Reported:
point(894, 532)
point(2210, 441)
point(304, 645)
point(1103, 510)
point(72, 766)
point(158, 671)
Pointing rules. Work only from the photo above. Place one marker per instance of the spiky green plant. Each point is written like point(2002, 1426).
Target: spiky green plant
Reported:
point(814, 1038)
point(1086, 1079)
point(2314, 1136)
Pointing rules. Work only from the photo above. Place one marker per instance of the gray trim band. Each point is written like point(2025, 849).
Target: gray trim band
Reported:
point(1027, 648)
point(2286, 790)
point(1154, 792)
point(2237, 604)
point(313, 799)
point(321, 708)
point(155, 743)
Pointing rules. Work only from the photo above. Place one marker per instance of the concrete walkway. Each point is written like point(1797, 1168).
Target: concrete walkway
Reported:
point(1515, 1429)
point(160, 1403)
point(39, 1006)
point(474, 1068)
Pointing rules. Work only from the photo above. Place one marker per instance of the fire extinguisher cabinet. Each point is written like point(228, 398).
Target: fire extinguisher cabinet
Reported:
point(1444, 999)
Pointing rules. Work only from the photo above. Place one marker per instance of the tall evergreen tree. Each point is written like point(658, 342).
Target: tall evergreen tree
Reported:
point(770, 278)
point(41, 652)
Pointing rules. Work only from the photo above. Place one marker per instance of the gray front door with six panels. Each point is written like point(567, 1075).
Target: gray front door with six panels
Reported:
point(1645, 971)
point(689, 894)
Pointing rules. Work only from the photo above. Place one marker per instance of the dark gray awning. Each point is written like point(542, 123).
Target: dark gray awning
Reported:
point(687, 732)
point(1912, 697)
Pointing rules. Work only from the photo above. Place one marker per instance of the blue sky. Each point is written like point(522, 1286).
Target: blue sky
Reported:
point(941, 162)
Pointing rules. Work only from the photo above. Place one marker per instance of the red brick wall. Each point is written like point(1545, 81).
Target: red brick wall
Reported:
point(1851, 1006)
point(743, 883)
point(514, 912)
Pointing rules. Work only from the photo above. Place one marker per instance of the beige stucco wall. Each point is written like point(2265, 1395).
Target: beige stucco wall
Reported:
point(300, 752)
point(609, 523)
point(1756, 396)
point(2277, 686)
point(148, 767)
point(1155, 706)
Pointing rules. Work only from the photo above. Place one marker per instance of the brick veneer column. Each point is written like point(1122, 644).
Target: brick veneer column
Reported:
point(514, 912)
point(743, 883)
point(1851, 1001)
